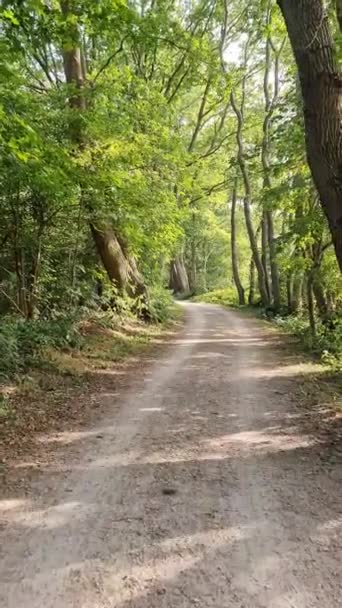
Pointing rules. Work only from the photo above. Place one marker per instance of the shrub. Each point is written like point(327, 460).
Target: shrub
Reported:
point(162, 307)
point(225, 297)
point(22, 342)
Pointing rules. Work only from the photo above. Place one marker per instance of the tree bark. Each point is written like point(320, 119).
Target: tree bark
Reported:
point(179, 282)
point(296, 293)
point(193, 252)
point(235, 263)
point(251, 293)
point(239, 112)
point(270, 104)
point(321, 300)
point(339, 12)
point(308, 26)
point(264, 251)
point(121, 270)
point(311, 305)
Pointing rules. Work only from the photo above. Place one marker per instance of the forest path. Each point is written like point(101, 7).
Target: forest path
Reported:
point(204, 486)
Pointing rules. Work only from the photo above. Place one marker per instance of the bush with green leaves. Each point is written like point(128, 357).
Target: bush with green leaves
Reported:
point(162, 306)
point(22, 343)
point(225, 297)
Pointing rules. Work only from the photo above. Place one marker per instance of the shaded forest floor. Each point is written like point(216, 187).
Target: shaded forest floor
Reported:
point(61, 394)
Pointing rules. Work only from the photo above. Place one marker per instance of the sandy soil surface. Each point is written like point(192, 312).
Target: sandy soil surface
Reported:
point(203, 484)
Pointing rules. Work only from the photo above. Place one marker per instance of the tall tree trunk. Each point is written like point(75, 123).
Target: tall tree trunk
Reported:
point(308, 26)
point(289, 286)
point(32, 291)
point(235, 263)
point(270, 104)
point(121, 269)
point(311, 305)
point(321, 300)
point(239, 112)
point(297, 291)
point(193, 267)
point(273, 262)
point(251, 292)
point(264, 251)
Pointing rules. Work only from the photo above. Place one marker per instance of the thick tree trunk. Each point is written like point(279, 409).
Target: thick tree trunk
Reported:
point(179, 282)
point(308, 26)
point(321, 301)
point(235, 263)
point(121, 270)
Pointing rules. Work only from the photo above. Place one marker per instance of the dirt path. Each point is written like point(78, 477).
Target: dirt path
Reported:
point(205, 486)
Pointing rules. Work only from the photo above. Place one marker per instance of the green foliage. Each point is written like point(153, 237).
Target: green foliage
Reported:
point(224, 297)
point(22, 343)
point(327, 341)
point(162, 306)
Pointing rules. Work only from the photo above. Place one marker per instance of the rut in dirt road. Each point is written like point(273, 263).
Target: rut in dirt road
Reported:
point(206, 486)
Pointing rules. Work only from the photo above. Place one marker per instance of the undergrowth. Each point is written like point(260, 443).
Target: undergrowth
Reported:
point(27, 344)
point(326, 343)
point(225, 297)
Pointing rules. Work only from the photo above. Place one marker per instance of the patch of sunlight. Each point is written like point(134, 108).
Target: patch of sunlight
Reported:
point(151, 409)
point(146, 577)
point(329, 527)
point(11, 504)
point(211, 539)
point(52, 517)
point(269, 581)
point(297, 369)
point(209, 340)
point(266, 442)
point(121, 459)
point(67, 437)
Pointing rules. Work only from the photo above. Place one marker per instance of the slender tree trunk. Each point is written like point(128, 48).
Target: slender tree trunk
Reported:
point(193, 267)
point(270, 104)
point(32, 291)
point(297, 291)
point(235, 263)
point(311, 305)
point(21, 280)
point(273, 262)
point(308, 26)
point(251, 293)
point(264, 251)
point(289, 285)
point(239, 112)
